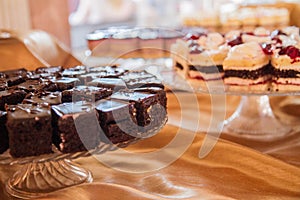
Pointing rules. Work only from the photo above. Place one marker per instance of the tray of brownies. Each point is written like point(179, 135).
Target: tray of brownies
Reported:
point(55, 111)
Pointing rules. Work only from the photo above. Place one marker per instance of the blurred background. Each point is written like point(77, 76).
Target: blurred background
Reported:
point(71, 20)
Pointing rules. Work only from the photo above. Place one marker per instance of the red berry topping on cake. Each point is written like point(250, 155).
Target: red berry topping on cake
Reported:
point(249, 33)
point(277, 40)
point(238, 40)
point(191, 36)
point(194, 36)
point(196, 49)
point(267, 49)
point(192, 43)
point(276, 33)
point(290, 51)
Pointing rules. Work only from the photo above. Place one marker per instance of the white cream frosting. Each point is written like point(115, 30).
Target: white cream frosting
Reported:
point(292, 31)
point(248, 50)
point(248, 55)
point(211, 41)
point(232, 34)
point(252, 38)
point(287, 41)
point(284, 62)
point(261, 31)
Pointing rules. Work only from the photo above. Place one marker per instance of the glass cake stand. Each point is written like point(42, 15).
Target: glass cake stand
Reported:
point(252, 119)
point(40, 175)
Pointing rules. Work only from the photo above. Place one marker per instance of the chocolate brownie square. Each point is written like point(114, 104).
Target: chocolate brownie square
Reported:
point(75, 127)
point(115, 84)
point(3, 84)
point(136, 79)
point(29, 130)
point(117, 119)
point(85, 93)
point(53, 70)
point(100, 72)
point(30, 85)
point(65, 83)
point(162, 98)
point(11, 97)
point(14, 77)
point(108, 71)
point(74, 72)
point(45, 73)
point(43, 97)
point(3, 133)
point(143, 103)
point(22, 72)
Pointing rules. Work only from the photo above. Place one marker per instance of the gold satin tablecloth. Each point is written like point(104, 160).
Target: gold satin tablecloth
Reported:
point(236, 168)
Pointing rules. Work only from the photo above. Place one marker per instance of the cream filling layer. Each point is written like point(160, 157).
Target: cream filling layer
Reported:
point(288, 81)
point(241, 81)
point(205, 76)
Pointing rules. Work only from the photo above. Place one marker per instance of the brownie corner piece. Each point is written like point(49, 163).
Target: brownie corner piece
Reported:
point(85, 93)
point(75, 127)
point(29, 130)
point(11, 97)
point(3, 133)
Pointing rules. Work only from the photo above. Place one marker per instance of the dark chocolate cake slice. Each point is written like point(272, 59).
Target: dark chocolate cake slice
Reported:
point(53, 70)
point(30, 85)
point(29, 130)
point(85, 93)
point(3, 84)
point(101, 72)
point(115, 84)
point(117, 119)
point(11, 97)
point(136, 79)
point(108, 71)
point(14, 77)
point(43, 97)
point(76, 127)
point(143, 103)
point(65, 83)
point(3, 133)
point(74, 72)
point(161, 94)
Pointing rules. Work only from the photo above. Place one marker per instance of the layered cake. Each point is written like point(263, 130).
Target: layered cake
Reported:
point(30, 130)
point(286, 64)
point(52, 108)
point(247, 68)
point(200, 56)
point(261, 60)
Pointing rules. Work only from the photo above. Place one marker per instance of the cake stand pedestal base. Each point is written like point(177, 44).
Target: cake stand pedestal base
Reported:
point(254, 119)
point(37, 179)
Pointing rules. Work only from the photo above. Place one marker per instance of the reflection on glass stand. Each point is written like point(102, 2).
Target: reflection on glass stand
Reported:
point(255, 119)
